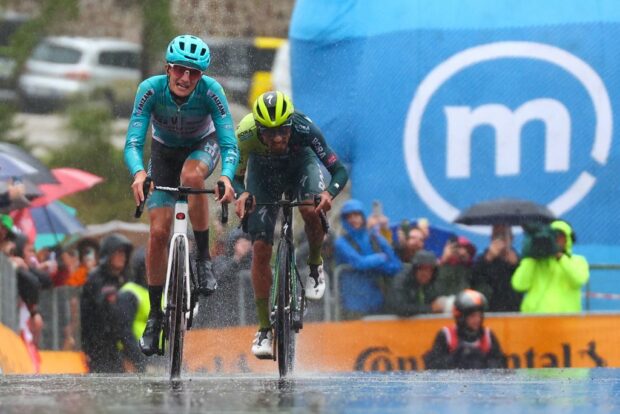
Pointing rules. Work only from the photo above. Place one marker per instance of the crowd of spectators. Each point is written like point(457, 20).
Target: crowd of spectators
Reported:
point(390, 271)
point(381, 270)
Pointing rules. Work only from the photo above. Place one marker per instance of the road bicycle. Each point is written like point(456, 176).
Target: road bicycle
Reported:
point(179, 296)
point(287, 297)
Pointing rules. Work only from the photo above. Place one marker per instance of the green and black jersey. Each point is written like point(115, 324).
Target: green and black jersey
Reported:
point(304, 135)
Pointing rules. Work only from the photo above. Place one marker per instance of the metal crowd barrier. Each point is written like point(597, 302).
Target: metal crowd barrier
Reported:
point(8, 293)
point(60, 308)
point(588, 291)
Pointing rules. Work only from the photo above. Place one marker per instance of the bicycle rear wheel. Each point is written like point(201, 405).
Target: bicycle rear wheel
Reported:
point(285, 335)
point(176, 314)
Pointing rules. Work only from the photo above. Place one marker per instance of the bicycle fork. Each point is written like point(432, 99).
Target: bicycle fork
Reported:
point(181, 211)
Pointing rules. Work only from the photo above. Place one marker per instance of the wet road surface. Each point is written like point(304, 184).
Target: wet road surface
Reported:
point(523, 391)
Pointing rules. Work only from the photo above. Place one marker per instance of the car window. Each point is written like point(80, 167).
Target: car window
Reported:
point(121, 59)
point(48, 52)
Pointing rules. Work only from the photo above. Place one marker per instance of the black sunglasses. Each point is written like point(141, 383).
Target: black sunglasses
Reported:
point(271, 133)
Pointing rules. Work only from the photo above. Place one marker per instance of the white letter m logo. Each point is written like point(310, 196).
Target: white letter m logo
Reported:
point(462, 121)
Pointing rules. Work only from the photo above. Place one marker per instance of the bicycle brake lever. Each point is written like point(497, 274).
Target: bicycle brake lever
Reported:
point(146, 187)
point(248, 206)
point(322, 216)
point(221, 189)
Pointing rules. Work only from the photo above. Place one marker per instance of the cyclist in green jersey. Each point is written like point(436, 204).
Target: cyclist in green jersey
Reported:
point(280, 148)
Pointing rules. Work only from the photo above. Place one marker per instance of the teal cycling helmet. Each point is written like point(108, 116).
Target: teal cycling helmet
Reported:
point(190, 51)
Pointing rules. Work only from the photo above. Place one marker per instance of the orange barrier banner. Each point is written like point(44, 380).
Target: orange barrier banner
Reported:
point(14, 357)
point(581, 340)
point(63, 362)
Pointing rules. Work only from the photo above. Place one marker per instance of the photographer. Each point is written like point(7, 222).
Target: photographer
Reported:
point(550, 274)
point(468, 344)
point(493, 270)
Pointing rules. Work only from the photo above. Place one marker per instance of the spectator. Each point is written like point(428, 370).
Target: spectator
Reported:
point(134, 308)
point(552, 284)
point(87, 252)
point(68, 263)
point(100, 316)
point(232, 269)
point(455, 269)
point(371, 259)
point(468, 344)
point(32, 277)
point(378, 222)
point(413, 291)
point(493, 271)
point(11, 193)
point(411, 244)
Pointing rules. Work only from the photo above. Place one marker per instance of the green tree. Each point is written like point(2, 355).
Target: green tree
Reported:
point(90, 148)
point(157, 31)
point(53, 13)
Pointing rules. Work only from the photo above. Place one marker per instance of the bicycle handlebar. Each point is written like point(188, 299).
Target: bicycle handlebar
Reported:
point(182, 190)
point(317, 200)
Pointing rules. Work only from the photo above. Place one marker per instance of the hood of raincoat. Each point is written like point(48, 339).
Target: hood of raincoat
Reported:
point(112, 243)
point(564, 227)
point(352, 206)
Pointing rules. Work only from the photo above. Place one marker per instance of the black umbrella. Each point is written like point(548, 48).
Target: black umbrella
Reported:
point(41, 175)
point(509, 211)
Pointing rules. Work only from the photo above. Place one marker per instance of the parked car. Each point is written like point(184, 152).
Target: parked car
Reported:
point(243, 65)
point(61, 68)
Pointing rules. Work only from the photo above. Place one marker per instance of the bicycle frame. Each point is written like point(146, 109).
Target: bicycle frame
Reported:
point(286, 304)
point(178, 309)
point(181, 211)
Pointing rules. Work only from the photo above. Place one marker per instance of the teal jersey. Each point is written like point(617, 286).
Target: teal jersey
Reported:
point(204, 112)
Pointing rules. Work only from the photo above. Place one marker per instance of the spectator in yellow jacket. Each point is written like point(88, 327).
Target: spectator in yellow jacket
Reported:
point(553, 284)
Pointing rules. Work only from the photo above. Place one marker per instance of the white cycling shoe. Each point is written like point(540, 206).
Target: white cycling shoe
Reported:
point(262, 346)
point(315, 283)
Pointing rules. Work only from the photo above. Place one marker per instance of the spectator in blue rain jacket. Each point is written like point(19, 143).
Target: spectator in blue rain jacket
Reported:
point(370, 259)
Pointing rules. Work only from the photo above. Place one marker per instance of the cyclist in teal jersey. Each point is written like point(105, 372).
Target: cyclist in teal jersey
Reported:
point(191, 124)
point(281, 149)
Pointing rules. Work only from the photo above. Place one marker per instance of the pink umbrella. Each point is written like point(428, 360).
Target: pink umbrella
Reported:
point(71, 180)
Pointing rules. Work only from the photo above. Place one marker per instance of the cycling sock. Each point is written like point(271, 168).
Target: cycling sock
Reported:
point(262, 311)
point(155, 293)
point(202, 244)
point(314, 258)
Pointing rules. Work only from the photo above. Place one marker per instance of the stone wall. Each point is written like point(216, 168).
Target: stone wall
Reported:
point(121, 18)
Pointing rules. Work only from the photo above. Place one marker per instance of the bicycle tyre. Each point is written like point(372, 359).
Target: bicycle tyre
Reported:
point(285, 336)
point(177, 315)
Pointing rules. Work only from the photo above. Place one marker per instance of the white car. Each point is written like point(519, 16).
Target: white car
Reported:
point(61, 68)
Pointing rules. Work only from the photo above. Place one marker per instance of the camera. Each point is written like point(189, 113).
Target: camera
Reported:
point(539, 241)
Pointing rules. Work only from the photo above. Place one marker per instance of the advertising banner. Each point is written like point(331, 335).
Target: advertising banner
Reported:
point(437, 105)
point(584, 341)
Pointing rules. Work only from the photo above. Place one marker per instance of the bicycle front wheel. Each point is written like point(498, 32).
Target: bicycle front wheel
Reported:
point(176, 314)
point(285, 334)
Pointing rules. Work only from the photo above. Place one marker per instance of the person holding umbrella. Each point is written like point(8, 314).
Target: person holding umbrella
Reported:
point(10, 192)
point(493, 270)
